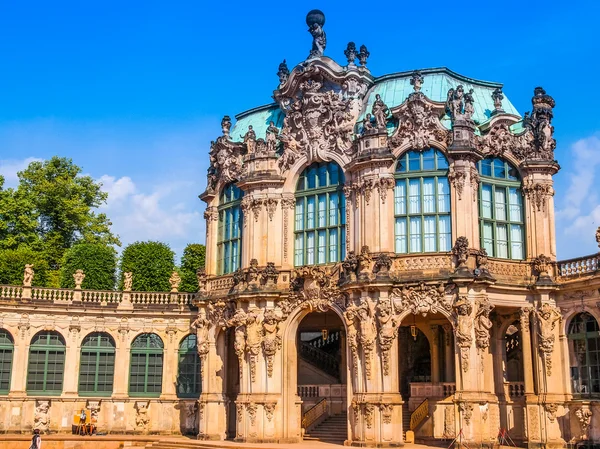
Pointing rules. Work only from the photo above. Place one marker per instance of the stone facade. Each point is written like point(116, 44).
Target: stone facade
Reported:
point(471, 310)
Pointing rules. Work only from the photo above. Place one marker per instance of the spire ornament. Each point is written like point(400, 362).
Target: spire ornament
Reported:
point(497, 96)
point(363, 55)
point(351, 53)
point(315, 20)
point(283, 73)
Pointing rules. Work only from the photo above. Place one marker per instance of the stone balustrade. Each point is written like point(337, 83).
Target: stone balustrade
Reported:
point(514, 390)
point(574, 268)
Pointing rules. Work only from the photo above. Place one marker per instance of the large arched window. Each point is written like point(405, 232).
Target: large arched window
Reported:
point(188, 376)
point(145, 372)
point(229, 242)
point(422, 203)
point(584, 354)
point(97, 365)
point(501, 210)
point(46, 364)
point(6, 356)
point(320, 215)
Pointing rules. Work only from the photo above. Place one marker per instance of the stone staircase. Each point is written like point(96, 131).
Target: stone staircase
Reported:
point(174, 444)
point(332, 430)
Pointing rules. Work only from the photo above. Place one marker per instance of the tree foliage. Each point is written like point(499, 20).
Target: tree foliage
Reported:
point(52, 209)
point(192, 259)
point(98, 262)
point(12, 266)
point(151, 264)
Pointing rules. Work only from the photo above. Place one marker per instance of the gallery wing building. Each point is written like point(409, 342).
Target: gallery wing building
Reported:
point(381, 267)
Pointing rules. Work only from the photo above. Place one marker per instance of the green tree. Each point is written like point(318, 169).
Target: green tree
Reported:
point(61, 202)
point(12, 265)
point(192, 259)
point(151, 264)
point(98, 262)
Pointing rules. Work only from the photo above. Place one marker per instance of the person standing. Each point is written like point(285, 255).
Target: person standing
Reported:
point(36, 440)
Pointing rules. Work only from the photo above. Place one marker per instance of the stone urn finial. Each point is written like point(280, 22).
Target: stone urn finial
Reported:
point(175, 280)
point(79, 276)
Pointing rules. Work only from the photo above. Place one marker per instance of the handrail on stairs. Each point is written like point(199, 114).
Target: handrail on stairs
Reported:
point(419, 415)
point(314, 413)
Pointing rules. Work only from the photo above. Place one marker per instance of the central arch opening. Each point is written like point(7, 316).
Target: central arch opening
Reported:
point(322, 376)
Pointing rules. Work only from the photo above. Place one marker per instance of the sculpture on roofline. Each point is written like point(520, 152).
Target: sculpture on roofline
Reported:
point(351, 53)
point(272, 133)
point(283, 73)
point(363, 55)
point(315, 20)
point(380, 112)
point(250, 140)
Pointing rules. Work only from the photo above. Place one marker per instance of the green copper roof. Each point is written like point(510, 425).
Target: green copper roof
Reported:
point(394, 89)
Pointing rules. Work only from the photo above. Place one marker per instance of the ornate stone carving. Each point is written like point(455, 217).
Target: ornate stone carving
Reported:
point(467, 411)
point(380, 111)
point(201, 325)
point(350, 266)
point(367, 331)
point(463, 331)
point(226, 126)
point(460, 251)
point(271, 205)
point(497, 96)
point(254, 337)
point(457, 179)
point(382, 265)
point(94, 408)
point(251, 408)
point(483, 326)
point(383, 186)
point(498, 141)
point(418, 125)
point(458, 104)
point(315, 20)
point(539, 123)
point(547, 317)
point(416, 80)
point(28, 274)
point(388, 322)
point(225, 162)
point(541, 265)
point(481, 260)
point(202, 280)
point(271, 137)
point(142, 417)
point(551, 409)
point(74, 327)
point(584, 416)
point(538, 193)
point(524, 315)
point(250, 140)
point(364, 261)
point(423, 298)
point(312, 287)
point(386, 412)
point(78, 276)
point(175, 280)
point(351, 53)
point(363, 55)
point(351, 317)
point(251, 204)
point(270, 410)
point(271, 339)
point(41, 418)
point(369, 414)
point(475, 179)
point(449, 423)
point(283, 73)
point(269, 275)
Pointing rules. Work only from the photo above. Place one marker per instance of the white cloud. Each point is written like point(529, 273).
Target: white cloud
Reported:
point(10, 167)
point(117, 189)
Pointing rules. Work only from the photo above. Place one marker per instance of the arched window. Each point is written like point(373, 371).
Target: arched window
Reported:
point(145, 372)
point(188, 377)
point(320, 215)
point(501, 210)
point(46, 364)
point(584, 354)
point(514, 354)
point(422, 203)
point(6, 356)
point(229, 242)
point(97, 365)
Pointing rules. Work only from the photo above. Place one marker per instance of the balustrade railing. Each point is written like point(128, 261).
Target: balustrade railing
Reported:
point(11, 292)
point(322, 391)
point(101, 296)
point(52, 294)
point(321, 359)
point(448, 388)
point(514, 390)
point(419, 415)
point(577, 267)
point(314, 413)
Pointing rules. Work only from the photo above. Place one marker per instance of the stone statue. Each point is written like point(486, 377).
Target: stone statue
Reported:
point(41, 419)
point(202, 324)
point(464, 329)
point(598, 236)
point(283, 73)
point(388, 331)
point(78, 276)
point(142, 418)
point(28, 275)
point(367, 124)
point(175, 280)
point(272, 133)
point(350, 317)
point(351, 53)
point(363, 55)
point(226, 126)
point(383, 264)
point(271, 340)
point(483, 324)
point(547, 317)
point(416, 81)
point(460, 250)
point(380, 112)
point(250, 140)
point(498, 96)
point(368, 331)
point(315, 20)
point(253, 273)
point(127, 281)
point(201, 277)
point(364, 261)
point(455, 102)
point(469, 104)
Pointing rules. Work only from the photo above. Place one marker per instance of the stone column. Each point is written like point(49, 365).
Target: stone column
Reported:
point(72, 356)
point(170, 367)
point(448, 354)
point(211, 215)
point(122, 359)
point(19, 367)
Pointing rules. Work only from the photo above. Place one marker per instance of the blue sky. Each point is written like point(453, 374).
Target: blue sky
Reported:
point(134, 91)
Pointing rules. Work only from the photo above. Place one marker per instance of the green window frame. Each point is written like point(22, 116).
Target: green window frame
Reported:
point(46, 364)
point(229, 241)
point(320, 215)
point(146, 366)
point(189, 383)
point(97, 365)
point(501, 222)
point(584, 355)
point(7, 346)
point(422, 222)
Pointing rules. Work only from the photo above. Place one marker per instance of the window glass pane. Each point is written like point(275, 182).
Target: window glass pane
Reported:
point(342, 200)
point(401, 165)
point(429, 224)
point(334, 178)
point(401, 235)
point(442, 162)
point(310, 212)
point(486, 167)
point(299, 214)
point(415, 235)
point(310, 248)
point(333, 245)
point(333, 209)
point(414, 196)
point(486, 201)
point(322, 218)
point(514, 196)
point(414, 161)
point(488, 238)
point(311, 177)
point(321, 248)
point(322, 176)
point(501, 241)
point(443, 195)
point(516, 241)
point(428, 195)
point(429, 160)
point(299, 250)
point(500, 203)
point(513, 173)
point(444, 233)
point(499, 169)
point(400, 197)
